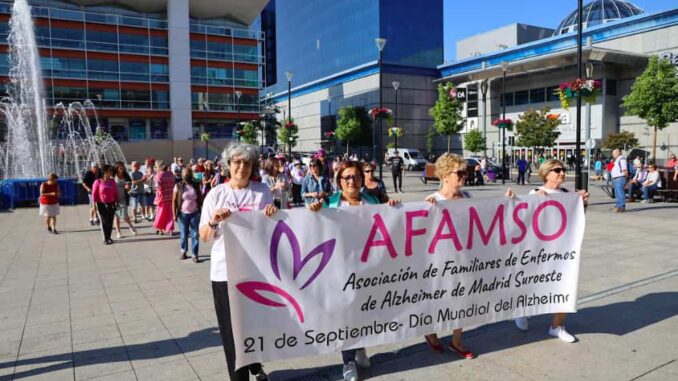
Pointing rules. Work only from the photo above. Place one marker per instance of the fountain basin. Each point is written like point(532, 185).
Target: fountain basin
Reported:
point(23, 191)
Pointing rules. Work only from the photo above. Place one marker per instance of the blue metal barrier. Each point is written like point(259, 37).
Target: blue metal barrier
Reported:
point(15, 191)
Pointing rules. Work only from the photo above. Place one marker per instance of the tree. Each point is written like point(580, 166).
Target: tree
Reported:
point(248, 133)
point(654, 96)
point(446, 113)
point(353, 126)
point(474, 141)
point(537, 128)
point(288, 134)
point(621, 140)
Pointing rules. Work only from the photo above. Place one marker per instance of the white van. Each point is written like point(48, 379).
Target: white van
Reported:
point(411, 157)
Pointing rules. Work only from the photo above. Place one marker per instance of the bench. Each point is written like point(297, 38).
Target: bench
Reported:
point(608, 189)
point(668, 195)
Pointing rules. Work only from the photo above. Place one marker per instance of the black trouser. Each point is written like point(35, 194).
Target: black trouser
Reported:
point(397, 177)
point(521, 177)
point(222, 306)
point(106, 215)
point(296, 194)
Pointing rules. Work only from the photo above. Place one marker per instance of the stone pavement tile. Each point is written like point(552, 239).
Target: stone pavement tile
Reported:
point(12, 334)
point(49, 283)
point(63, 326)
point(118, 297)
point(45, 342)
point(90, 291)
point(140, 326)
point(146, 337)
point(54, 364)
point(102, 366)
point(9, 348)
point(664, 372)
point(208, 364)
point(178, 369)
point(95, 334)
point(221, 376)
point(182, 325)
point(80, 323)
point(128, 375)
point(154, 353)
point(7, 367)
point(100, 308)
point(201, 342)
point(129, 305)
point(13, 321)
point(100, 348)
point(132, 315)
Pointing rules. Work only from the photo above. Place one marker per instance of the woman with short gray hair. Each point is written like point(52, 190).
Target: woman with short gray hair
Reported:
point(239, 194)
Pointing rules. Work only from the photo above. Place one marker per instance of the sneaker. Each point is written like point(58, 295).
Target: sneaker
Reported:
point(97, 222)
point(261, 376)
point(133, 231)
point(361, 358)
point(118, 235)
point(645, 201)
point(350, 372)
point(521, 324)
point(562, 334)
point(91, 222)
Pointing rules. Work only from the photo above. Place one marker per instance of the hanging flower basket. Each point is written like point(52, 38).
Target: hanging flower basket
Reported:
point(205, 137)
point(329, 134)
point(395, 131)
point(380, 113)
point(589, 89)
point(290, 125)
point(503, 123)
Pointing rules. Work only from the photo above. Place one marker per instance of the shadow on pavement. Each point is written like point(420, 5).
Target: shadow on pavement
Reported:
point(206, 338)
point(615, 319)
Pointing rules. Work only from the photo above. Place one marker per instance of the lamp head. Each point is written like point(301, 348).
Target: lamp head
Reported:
point(504, 66)
point(381, 42)
point(395, 84)
point(289, 76)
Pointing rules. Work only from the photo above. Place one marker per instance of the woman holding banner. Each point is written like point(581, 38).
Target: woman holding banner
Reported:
point(451, 170)
point(552, 173)
point(350, 180)
point(240, 194)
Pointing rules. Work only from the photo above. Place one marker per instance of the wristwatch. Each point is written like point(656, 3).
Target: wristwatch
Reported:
point(214, 227)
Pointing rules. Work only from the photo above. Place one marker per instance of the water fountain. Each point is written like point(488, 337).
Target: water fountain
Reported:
point(34, 145)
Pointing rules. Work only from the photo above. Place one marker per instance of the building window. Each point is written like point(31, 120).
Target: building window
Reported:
point(537, 95)
point(159, 129)
point(521, 97)
point(508, 100)
point(472, 101)
point(137, 129)
point(552, 94)
point(610, 87)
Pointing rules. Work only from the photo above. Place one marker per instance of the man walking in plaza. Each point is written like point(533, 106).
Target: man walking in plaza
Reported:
point(397, 165)
point(136, 192)
point(620, 174)
point(522, 168)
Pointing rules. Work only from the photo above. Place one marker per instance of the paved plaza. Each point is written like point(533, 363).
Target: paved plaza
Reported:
point(72, 308)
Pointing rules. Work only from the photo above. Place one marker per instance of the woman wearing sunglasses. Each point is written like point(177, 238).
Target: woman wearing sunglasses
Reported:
point(315, 187)
point(552, 173)
point(451, 170)
point(350, 178)
point(374, 186)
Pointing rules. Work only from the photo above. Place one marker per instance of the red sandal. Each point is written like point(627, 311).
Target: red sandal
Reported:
point(437, 348)
point(466, 354)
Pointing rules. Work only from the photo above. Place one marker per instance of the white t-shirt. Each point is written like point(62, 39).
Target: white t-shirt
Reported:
point(620, 165)
point(547, 190)
point(255, 197)
point(440, 197)
point(653, 178)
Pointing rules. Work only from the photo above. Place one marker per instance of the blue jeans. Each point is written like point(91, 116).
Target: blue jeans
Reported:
point(188, 223)
point(648, 189)
point(619, 183)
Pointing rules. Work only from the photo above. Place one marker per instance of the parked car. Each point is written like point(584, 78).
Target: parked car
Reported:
point(492, 167)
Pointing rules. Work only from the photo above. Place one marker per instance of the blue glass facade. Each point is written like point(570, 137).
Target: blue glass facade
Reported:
point(324, 37)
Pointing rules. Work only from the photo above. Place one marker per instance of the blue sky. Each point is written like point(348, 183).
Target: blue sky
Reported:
point(465, 18)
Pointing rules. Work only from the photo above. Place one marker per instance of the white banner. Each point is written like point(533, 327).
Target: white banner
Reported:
point(304, 283)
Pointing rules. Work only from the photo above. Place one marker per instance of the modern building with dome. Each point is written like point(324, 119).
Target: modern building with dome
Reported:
point(618, 36)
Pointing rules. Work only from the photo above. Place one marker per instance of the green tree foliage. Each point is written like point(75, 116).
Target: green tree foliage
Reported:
point(474, 141)
point(248, 133)
point(353, 125)
point(621, 140)
point(654, 96)
point(446, 113)
point(288, 134)
point(537, 128)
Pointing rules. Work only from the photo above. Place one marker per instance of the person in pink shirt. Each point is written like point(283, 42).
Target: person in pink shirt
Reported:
point(105, 197)
point(164, 185)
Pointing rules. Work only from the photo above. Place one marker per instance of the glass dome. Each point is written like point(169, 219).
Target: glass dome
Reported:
point(598, 12)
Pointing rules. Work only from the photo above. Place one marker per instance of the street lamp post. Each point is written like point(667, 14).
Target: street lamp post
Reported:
point(587, 135)
point(381, 42)
point(289, 76)
point(577, 144)
point(504, 68)
point(396, 84)
point(238, 94)
point(483, 90)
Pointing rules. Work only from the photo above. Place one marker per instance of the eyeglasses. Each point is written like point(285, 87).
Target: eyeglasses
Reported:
point(350, 177)
point(312, 165)
point(460, 173)
point(243, 163)
point(368, 171)
point(558, 170)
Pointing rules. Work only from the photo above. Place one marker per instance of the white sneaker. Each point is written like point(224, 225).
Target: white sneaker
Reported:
point(361, 358)
point(521, 324)
point(644, 201)
point(562, 334)
point(261, 376)
point(118, 235)
point(350, 372)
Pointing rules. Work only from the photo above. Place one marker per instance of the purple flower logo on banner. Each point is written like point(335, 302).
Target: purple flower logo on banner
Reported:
point(253, 290)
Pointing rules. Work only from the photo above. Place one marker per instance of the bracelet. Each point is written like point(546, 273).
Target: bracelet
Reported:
point(213, 227)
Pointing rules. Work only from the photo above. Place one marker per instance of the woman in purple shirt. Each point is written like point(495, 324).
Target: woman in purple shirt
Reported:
point(186, 202)
point(105, 197)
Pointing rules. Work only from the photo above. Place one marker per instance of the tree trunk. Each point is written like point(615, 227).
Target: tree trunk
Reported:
point(449, 139)
point(654, 146)
point(347, 142)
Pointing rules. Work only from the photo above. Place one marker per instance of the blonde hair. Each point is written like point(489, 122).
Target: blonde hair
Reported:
point(448, 163)
point(547, 166)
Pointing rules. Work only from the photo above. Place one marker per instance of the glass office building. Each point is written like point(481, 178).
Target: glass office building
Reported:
point(120, 59)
